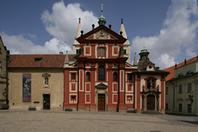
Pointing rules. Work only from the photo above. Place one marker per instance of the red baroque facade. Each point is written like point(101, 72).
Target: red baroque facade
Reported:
point(99, 77)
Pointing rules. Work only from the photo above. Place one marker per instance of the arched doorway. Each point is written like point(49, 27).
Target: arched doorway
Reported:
point(150, 102)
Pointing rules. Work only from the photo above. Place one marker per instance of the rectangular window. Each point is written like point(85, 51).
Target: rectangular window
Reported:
point(129, 87)
point(115, 87)
point(26, 87)
point(189, 108)
point(73, 87)
point(166, 106)
point(87, 98)
point(129, 77)
point(73, 76)
point(101, 52)
point(180, 107)
point(129, 99)
point(189, 88)
point(87, 87)
point(180, 89)
point(72, 99)
point(114, 98)
point(87, 50)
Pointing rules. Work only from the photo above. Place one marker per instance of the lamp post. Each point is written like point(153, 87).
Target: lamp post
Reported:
point(118, 88)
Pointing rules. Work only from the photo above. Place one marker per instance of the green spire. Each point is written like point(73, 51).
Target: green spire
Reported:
point(101, 20)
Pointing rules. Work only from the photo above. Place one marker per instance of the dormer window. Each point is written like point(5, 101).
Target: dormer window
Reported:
point(150, 68)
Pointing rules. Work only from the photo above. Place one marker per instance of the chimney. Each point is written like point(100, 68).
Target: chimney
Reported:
point(93, 26)
point(110, 26)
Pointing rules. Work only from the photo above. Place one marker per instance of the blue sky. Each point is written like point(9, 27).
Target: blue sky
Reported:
point(167, 28)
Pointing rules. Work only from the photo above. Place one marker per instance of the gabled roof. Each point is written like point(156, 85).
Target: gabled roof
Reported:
point(37, 60)
point(101, 86)
point(119, 38)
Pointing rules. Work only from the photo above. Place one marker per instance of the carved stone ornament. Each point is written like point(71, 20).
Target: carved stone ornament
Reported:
point(102, 35)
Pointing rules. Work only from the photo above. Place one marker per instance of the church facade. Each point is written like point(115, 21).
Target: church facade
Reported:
point(102, 79)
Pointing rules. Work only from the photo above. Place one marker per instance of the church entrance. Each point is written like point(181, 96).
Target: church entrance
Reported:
point(101, 102)
point(150, 102)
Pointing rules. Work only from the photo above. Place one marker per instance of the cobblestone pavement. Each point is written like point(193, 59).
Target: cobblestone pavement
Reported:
point(46, 121)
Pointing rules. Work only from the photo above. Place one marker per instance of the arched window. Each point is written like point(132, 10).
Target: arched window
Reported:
point(101, 73)
point(88, 76)
point(115, 76)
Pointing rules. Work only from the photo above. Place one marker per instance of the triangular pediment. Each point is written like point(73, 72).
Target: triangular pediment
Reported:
point(101, 86)
point(101, 33)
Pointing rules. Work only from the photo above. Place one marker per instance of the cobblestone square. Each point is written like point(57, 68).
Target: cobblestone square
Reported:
point(46, 121)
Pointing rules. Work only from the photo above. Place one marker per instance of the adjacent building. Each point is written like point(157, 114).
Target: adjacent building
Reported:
point(4, 56)
point(182, 84)
point(36, 81)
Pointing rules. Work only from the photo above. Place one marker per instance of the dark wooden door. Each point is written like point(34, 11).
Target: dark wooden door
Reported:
point(150, 102)
point(46, 101)
point(101, 102)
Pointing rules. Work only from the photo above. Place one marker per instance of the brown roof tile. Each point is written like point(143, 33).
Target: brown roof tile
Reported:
point(38, 60)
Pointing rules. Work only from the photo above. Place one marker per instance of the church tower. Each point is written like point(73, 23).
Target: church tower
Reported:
point(127, 43)
point(76, 43)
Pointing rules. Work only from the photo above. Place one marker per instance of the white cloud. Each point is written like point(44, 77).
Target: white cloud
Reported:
point(177, 37)
point(60, 23)
point(19, 44)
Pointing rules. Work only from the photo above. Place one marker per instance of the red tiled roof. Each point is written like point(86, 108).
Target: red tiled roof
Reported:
point(171, 74)
point(38, 60)
point(172, 69)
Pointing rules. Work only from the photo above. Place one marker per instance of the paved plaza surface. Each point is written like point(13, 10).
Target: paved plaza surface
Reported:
point(47, 121)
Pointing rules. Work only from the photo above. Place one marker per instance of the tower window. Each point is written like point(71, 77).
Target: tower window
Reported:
point(73, 76)
point(129, 77)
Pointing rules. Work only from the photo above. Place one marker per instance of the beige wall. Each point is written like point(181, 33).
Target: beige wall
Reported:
point(174, 98)
point(38, 88)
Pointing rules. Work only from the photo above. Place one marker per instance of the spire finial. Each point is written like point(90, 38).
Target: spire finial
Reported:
point(79, 20)
point(101, 20)
point(122, 21)
point(101, 9)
